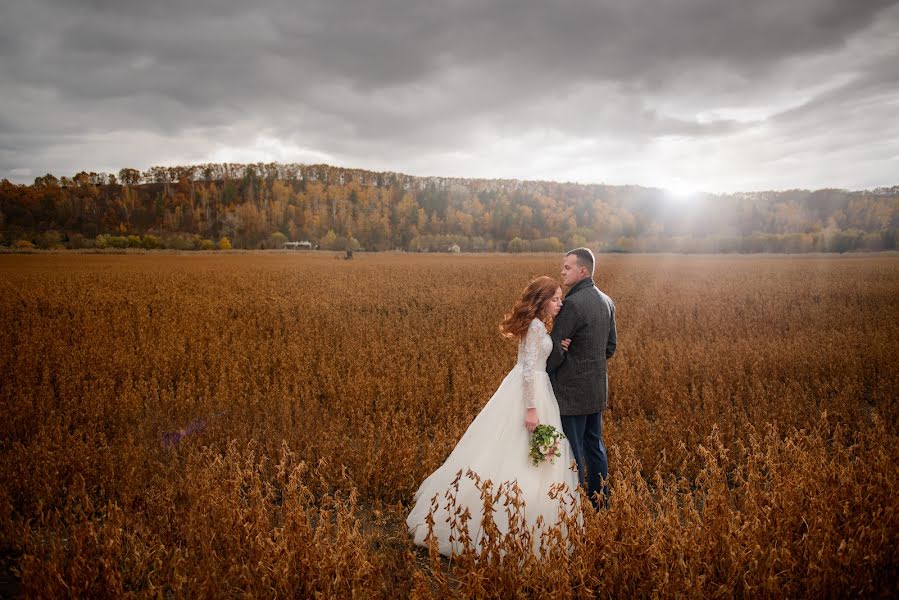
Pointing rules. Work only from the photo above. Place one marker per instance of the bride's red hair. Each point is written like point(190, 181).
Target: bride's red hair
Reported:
point(532, 299)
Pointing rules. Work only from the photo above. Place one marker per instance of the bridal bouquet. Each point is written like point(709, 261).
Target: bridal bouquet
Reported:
point(546, 444)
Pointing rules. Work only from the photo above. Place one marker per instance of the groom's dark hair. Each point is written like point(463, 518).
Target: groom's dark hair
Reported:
point(584, 258)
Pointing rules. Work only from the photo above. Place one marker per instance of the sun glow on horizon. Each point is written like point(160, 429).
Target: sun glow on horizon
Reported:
point(680, 190)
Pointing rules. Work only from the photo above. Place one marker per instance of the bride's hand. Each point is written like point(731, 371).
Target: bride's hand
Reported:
point(565, 343)
point(531, 420)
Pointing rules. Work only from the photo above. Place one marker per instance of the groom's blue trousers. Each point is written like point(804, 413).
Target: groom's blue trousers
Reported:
point(584, 432)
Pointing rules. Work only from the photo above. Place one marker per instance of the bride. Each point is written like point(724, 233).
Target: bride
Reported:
point(497, 443)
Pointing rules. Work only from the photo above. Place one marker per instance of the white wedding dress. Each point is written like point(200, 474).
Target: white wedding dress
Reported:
point(496, 447)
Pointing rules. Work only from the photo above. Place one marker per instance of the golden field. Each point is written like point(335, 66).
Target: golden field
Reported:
point(752, 433)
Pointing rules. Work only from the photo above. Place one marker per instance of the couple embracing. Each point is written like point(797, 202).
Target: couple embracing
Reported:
point(559, 380)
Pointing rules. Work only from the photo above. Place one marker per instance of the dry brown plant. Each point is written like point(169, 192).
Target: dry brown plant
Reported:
point(255, 424)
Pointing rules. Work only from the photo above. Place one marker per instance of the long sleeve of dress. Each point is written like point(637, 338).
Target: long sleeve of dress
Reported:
point(529, 361)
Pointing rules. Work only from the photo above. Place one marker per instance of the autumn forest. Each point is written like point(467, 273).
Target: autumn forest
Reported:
point(252, 206)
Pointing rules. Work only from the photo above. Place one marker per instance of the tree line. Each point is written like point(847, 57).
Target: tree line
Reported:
point(223, 205)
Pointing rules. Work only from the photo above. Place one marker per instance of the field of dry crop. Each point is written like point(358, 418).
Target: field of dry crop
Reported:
point(254, 424)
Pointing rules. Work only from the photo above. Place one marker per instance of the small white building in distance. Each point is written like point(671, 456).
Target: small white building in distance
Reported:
point(455, 249)
point(304, 245)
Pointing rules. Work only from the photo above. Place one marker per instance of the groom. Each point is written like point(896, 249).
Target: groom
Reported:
point(578, 374)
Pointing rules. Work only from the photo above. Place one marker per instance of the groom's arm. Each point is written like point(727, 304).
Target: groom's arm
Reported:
point(563, 328)
point(612, 344)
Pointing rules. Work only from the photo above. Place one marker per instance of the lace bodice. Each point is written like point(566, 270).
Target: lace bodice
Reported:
point(533, 351)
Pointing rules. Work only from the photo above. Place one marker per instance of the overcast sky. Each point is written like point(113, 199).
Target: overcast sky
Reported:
point(712, 95)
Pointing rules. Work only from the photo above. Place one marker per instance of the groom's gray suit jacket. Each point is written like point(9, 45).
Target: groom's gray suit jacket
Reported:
point(579, 377)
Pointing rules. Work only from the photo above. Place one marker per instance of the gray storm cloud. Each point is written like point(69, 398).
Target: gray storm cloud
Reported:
point(717, 95)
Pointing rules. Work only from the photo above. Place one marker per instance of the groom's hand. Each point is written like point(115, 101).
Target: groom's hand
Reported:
point(530, 419)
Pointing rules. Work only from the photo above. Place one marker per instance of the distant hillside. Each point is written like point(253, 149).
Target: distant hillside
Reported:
point(264, 205)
